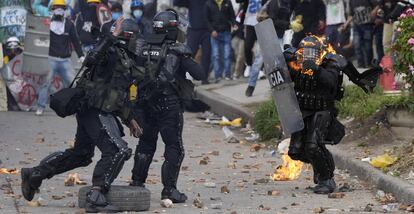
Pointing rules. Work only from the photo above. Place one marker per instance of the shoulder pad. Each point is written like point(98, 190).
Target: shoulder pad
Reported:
point(337, 60)
point(155, 38)
point(181, 49)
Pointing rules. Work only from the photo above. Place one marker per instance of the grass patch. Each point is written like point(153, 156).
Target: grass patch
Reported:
point(266, 121)
point(356, 103)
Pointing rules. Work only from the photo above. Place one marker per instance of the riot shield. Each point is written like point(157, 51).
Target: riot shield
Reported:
point(278, 75)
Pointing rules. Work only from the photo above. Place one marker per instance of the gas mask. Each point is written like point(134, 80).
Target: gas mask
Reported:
point(58, 14)
point(137, 15)
point(310, 49)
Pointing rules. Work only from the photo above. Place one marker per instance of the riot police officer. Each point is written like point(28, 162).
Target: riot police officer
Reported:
point(317, 72)
point(105, 89)
point(160, 102)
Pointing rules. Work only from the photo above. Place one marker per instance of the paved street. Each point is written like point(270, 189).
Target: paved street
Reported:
point(246, 177)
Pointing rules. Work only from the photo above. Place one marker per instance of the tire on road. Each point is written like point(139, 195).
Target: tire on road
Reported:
point(127, 198)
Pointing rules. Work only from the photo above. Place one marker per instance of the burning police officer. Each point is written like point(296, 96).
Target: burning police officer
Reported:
point(104, 92)
point(317, 72)
point(160, 102)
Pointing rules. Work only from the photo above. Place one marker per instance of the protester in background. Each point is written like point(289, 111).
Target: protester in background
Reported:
point(11, 49)
point(238, 51)
point(279, 11)
point(197, 32)
point(220, 20)
point(388, 6)
point(62, 38)
point(335, 18)
point(379, 32)
point(41, 7)
point(87, 24)
point(250, 34)
point(116, 12)
point(312, 15)
point(3, 90)
point(138, 12)
point(362, 14)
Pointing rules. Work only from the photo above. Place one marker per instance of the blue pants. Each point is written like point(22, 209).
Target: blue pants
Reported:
point(197, 38)
point(363, 35)
point(222, 43)
point(60, 66)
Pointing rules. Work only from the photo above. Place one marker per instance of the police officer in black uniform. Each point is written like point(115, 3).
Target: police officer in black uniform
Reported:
point(317, 72)
point(160, 102)
point(106, 89)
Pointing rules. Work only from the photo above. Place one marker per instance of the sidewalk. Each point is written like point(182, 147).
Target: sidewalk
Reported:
point(228, 99)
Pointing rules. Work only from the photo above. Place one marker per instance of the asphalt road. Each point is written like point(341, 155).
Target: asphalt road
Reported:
point(246, 177)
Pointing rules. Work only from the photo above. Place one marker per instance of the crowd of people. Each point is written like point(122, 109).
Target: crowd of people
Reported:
point(221, 32)
point(354, 27)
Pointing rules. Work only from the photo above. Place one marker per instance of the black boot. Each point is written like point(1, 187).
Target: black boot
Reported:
point(142, 163)
point(174, 195)
point(315, 175)
point(169, 176)
point(249, 91)
point(325, 187)
point(96, 202)
point(31, 181)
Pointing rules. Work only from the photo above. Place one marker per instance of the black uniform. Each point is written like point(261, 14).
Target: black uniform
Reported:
point(317, 72)
point(316, 92)
point(105, 89)
point(160, 108)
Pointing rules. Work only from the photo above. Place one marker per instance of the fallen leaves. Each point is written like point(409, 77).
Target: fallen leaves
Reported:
point(319, 210)
point(57, 197)
point(336, 195)
point(72, 179)
point(224, 189)
point(273, 193)
point(35, 203)
point(198, 202)
point(39, 139)
point(237, 155)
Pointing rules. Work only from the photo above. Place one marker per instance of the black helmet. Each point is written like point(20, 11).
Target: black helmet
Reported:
point(312, 48)
point(129, 34)
point(166, 22)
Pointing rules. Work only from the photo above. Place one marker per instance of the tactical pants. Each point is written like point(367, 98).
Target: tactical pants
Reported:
point(169, 123)
point(95, 128)
point(308, 145)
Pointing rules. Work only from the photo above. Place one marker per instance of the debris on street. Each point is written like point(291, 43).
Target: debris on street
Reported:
point(72, 179)
point(167, 203)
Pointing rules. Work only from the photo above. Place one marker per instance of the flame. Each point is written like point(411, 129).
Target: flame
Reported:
point(9, 171)
point(299, 53)
point(289, 170)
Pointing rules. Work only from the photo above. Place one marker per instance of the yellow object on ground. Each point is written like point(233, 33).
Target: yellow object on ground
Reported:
point(58, 3)
point(383, 161)
point(235, 123)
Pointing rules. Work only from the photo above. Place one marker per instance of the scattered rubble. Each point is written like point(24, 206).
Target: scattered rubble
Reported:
point(167, 203)
point(224, 189)
point(336, 195)
point(216, 206)
point(72, 179)
point(210, 185)
point(198, 202)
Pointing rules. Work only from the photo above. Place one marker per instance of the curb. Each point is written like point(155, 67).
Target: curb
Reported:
point(402, 190)
point(221, 105)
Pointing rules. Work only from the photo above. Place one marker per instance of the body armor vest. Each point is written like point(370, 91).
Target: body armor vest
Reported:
point(310, 93)
point(108, 85)
point(161, 65)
